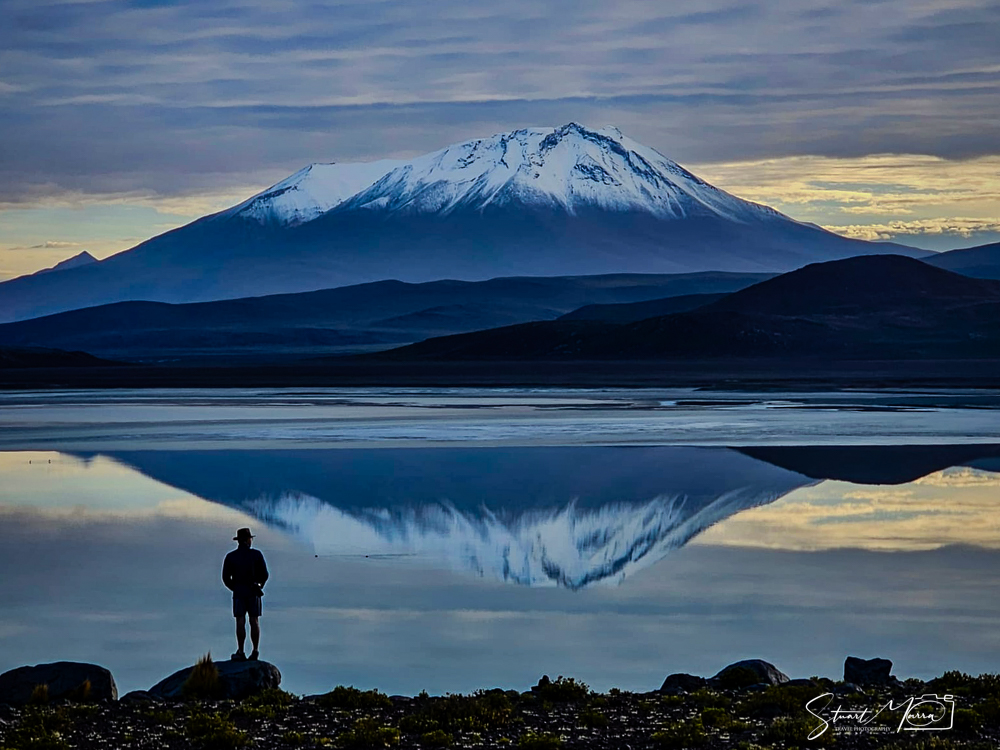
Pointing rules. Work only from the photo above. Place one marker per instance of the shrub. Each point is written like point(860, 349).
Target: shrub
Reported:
point(437, 738)
point(683, 734)
point(211, 730)
point(481, 711)
point(710, 699)
point(275, 697)
point(203, 682)
point(39, 729)
point(563, 690)
point(293, 738)
point(794, 731)
point(544, 741)
point(350, 698)
point(368, 733)
point(160, 716)
point(593, 719)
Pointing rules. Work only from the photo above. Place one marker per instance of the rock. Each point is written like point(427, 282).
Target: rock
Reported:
point(764, 671)
point(847, 688)
point(140, 696)
point(237, 679)
point(867, 671)
point(681, 682)
point(65, 680)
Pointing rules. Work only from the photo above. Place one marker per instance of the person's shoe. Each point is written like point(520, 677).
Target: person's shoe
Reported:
point(254, 655)
point(238, 656)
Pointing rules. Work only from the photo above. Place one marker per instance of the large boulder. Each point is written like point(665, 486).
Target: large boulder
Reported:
point(237, 679)
point(868, 671)
point(680, 682)
point(765, 673)
point(65, 680)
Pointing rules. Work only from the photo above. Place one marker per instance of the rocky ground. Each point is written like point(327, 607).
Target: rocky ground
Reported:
point(558, 713)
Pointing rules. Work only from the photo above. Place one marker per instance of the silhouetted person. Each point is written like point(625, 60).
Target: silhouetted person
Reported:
point(244, 572)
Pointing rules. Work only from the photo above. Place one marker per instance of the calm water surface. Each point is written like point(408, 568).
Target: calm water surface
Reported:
point(452, 540)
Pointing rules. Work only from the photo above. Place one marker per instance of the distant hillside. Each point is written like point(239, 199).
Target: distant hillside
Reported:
point(982, 261)
point(873, 307)
point(22, 357)
point(630, 312)
point(355, 318)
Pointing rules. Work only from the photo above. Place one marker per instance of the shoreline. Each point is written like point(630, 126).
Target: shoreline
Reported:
point(748, 705)
point(728, 374)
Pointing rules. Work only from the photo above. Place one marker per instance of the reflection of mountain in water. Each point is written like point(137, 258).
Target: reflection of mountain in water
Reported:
point(537, 516)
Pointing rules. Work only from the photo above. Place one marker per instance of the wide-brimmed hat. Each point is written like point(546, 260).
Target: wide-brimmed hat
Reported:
point(242, 534)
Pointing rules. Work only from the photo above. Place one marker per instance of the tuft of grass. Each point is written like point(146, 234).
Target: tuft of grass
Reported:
point(295, 739)
point(480, 712)
point(39, 695)
point(683, 734)
point(562, 690)
point(39, 729)
point(593, 719)
point(543, 741)
point(214, 731)
point(437, 738)
point(368, 733)
point(274, 697)
point(160, 716)
point(720, 719)
point(81, 693)
point(707, 698)
point(795, 731)
point(350, 698)
point(203, 682)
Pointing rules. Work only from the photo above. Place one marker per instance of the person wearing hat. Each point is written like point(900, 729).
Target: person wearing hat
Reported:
point(244, 572)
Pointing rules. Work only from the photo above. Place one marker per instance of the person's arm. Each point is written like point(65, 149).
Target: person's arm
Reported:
point(262, 573)
point(227, 573)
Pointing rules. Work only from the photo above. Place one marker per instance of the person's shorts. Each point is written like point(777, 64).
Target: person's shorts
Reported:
point(246, 605)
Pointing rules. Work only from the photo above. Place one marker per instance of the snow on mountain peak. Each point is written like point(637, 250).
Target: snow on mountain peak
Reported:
point(312, 191)
point(567, 168)
point(570, 547)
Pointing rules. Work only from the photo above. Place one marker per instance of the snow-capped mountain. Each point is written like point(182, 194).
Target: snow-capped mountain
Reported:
point(533, 202)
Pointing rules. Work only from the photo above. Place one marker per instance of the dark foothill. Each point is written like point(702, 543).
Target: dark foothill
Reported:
point(801, 682)
point(66, 680)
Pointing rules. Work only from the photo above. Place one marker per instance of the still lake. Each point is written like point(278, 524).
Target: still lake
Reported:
point(450, 540)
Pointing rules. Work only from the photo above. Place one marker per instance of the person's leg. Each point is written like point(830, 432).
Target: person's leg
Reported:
point(241, 632)
point(255, 633)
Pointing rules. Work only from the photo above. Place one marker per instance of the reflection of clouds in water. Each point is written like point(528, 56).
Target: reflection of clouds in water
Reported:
point(954, 506)
point(961, 476)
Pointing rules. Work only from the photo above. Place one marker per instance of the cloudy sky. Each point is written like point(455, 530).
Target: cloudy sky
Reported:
point(878, 119)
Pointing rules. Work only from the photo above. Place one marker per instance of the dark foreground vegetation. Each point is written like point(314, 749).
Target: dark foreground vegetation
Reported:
point(561, 713)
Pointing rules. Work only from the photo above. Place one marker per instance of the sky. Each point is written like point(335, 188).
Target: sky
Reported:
point(878, 119)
